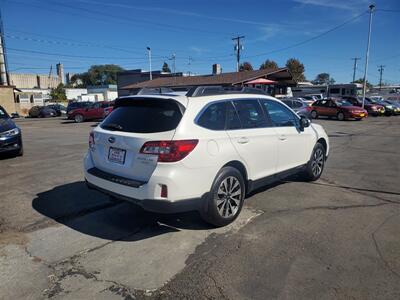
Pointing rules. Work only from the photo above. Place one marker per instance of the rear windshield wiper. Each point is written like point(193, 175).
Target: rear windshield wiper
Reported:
point(112, 126)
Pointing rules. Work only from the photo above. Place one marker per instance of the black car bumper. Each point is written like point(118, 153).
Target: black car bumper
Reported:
point(11, 144)
point(158, 206)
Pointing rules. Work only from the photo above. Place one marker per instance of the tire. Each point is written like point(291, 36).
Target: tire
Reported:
point(314, 114)
point(315, 165)
point(226, 197)
point(79, 118)
point(340, 116)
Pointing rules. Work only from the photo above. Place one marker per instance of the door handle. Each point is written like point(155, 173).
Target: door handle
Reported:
point(243, 140)
point(282, 137)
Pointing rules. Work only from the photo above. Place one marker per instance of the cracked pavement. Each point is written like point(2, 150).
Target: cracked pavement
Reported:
point(334, 238)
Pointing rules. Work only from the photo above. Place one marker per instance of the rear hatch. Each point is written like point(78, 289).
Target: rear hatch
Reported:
point(133, 122)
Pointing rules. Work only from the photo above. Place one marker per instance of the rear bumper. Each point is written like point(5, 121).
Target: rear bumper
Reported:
point(154, 205)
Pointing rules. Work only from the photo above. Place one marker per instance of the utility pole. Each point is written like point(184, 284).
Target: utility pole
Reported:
point(238, 49)
point(3, 58)
point(355, 67)
point(173, 58)
point(190, 59)
point(381, 68)
point(149, 53)
point(371, 10)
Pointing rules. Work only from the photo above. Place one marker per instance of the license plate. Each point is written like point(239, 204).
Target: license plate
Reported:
point(116, 155)
point(362, 115)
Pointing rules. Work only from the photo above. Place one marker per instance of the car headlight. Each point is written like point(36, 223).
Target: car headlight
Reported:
point(9, 133)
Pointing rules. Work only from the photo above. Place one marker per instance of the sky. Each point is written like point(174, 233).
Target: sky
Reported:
point(323, 34)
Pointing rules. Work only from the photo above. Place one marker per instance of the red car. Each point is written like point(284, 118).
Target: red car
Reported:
point(97, 110)
point(372, 109)
point(341, 109)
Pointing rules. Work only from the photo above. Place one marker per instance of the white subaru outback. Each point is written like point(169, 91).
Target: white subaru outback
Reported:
point(204, 151)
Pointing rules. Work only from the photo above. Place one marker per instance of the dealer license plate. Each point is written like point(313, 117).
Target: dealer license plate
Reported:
point(116, 155)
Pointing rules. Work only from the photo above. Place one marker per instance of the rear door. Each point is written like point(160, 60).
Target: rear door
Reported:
point(119, 138)
point(294, 146)
point(253, 137)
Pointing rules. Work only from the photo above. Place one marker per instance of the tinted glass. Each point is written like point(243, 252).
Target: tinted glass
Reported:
point(289, 103)
point(214, 117)
point(233, 121)
point(250, 113)
point(279, 114)
point(144, 116)
point(297, 104)
point(3, 114)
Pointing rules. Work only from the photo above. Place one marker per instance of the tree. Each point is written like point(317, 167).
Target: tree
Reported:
point(361, 80)
point(296, 68)
point(269, 64)
point(58, 93)
point(97, 75)
point(165, 68)
point(246, 66)
point(323, 78)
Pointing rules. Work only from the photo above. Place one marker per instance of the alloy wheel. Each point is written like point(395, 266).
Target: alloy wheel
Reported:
point(228, 197)
point(317, 162)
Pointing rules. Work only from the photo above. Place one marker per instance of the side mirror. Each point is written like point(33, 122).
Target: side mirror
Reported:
point(304, 123)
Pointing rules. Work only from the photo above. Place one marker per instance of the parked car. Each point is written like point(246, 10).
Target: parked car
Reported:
point(299, 107)
point(372, 109)
point(339, 108)
point(395, 105)
point(97, 110)
point(42, 112)
point(171, 153)
point(59, 109)
point(10, 135)
point(75, 104)
point(389, 109)
point(310, 99)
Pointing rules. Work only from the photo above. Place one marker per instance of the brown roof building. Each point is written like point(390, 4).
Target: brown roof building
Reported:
point(282, 77)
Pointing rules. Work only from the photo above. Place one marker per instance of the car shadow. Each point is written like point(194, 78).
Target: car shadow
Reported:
point(8, 155)
point(92, 213)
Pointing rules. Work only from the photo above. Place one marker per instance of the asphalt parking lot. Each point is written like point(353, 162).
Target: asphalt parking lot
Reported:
point(337, 238)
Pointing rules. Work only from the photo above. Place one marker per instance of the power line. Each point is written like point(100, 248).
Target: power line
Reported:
point(136, 21)
point(310, 39)
point(72, 55)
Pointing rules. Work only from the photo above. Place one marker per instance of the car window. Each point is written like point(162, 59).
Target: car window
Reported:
point(3, 114)
point(214, 116)
point(279, 114)
point(297, 104)
point(250, 113)
point(144, 116)
point(289, 103)
point(233, 121)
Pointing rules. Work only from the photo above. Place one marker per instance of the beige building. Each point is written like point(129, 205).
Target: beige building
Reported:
point(7, 98)
point(30, 81)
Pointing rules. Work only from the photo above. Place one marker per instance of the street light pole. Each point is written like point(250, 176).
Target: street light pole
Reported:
point(371, 10)
point(149, 52)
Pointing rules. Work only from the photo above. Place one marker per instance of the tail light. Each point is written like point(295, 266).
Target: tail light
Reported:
point(169, 151)
point(91, 140)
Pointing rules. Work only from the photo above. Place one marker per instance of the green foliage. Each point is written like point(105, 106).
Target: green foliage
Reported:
point(97, 75)
point(361, 80)
point(246, 66)
point(58, 93)
point(269, 64)
point(323, 78)
point(165, 68)
point(296, 68)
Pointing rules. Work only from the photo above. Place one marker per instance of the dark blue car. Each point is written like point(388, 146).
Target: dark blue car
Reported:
point(10, 135)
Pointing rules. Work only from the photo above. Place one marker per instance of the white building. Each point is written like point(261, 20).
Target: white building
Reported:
point(75, 93)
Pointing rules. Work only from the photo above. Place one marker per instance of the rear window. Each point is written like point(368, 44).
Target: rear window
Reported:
point(144, 116)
